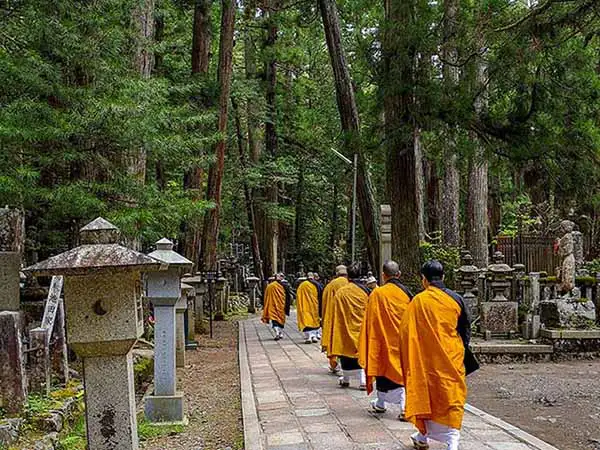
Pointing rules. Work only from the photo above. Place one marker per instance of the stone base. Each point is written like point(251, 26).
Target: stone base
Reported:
point(573, 344)
point(499, 318)
point(165, 409)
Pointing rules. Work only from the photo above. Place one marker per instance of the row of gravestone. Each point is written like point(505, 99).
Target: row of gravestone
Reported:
point(495, 295)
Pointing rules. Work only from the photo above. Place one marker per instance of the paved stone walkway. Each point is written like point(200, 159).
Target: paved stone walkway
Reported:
point(290, 402)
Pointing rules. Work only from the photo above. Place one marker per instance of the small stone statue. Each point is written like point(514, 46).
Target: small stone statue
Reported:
point(566, 272)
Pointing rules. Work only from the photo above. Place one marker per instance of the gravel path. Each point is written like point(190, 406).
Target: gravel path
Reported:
point(211, 383)
point(558, 402)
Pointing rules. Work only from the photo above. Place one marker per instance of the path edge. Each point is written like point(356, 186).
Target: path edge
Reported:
point(515, 432)
point(252, 439)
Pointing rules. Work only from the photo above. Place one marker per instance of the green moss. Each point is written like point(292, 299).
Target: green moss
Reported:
point(75, 437)
point(147, 430)
point(585, 280)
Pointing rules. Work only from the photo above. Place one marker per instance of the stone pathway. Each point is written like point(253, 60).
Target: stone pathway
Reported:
point(290, 402)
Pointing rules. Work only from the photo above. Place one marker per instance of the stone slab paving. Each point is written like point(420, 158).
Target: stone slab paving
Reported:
point(291, 402)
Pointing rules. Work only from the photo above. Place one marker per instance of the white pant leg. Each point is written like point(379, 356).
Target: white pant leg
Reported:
point(306, 335)
point(443, 433)
point(381, 399)
point(362, 376)
point(348, 374)
point(318, 332)
point(397, 397)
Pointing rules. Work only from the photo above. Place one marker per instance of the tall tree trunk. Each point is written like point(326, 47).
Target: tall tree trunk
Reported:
point(334, 219)
point(434, 212)
point(299, 225)
point(477, 199)
point(212, 218)
point(271, 226)
point(194, 176)
point(201, 37)
point(420, 180)
point(258, 269)
point(451, 180)
point(351, 127)
point(399, 67)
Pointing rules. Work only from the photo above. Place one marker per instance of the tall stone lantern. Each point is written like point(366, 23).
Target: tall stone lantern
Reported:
point(252, 284)
point(164, 290)
point(103, 305)
point(467, 275)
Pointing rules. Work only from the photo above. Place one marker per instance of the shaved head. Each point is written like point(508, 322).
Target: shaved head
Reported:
point(391, 269)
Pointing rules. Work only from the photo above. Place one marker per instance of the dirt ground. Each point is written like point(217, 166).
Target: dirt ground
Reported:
point(211, 383)
point(557, 402)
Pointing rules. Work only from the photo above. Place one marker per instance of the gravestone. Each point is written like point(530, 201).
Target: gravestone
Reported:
point(102, 293)
point(219, 297)
point(13, 387)
point(164, 291)
point(199, 284)
point(385, 250)
point(59, 354)
point(466, 280)
point(39, 361)
point(12, 239)
point(181, 308)
point(499, 316)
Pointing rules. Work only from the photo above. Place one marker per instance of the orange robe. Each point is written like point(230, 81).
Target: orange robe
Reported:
point(328, 296)
point(274, 304)
point(432, 354)
point(307, 305)
point(379, 350)
point(347, 312)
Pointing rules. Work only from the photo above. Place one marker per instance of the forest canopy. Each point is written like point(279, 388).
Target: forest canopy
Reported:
point(214, 123)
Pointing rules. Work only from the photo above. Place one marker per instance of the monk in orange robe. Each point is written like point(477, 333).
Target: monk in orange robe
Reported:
point(434, 336)
point(277, 301)
point(379, 351)
point(346, 313)
point(328, 296)
point(308, 299)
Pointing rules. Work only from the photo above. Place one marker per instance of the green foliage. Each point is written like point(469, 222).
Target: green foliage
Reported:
point(148, 431)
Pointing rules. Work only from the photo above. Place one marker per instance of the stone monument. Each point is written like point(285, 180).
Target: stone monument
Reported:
point(566, 271)
point(385, 249)
point(220, 297)
point(499, 316)
point(164, 290)
point(103, 299)
point(198, 282)
point(467, 275)
point(12, 238)
point(252, 287)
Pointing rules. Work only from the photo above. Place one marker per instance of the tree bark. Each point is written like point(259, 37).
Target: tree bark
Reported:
point(477, 199)
point(351, 127)
point(399, 69)
point(212, 218)
point(201, 37)
point(420, 180)
point(258, 269)
point(434, 212)
point(451, 180)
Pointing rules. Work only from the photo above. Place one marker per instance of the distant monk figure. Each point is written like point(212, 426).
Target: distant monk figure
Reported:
point(347, 312)
point(371, 282)
point(277, 305)
point(434, 334)
point(308, 299)
point(379, 351)
point(328, 296)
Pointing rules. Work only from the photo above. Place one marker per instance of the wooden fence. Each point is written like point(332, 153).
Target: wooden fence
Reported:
point(536, 252)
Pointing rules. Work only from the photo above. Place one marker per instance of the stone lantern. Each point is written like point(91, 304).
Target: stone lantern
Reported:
point(220, 287)
point(164, 290)
point(103, 305)
point(182, 314)
point(252, 284)
point(467, 275)
point(499, 317)
point(198, 282)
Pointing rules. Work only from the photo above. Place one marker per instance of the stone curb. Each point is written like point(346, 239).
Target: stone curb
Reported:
point(510, 429)
point(252, 439)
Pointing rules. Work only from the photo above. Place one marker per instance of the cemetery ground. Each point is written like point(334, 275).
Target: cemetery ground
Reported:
point(555, 401)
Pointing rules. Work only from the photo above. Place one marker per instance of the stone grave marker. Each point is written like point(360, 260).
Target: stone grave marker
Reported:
point(164, 290)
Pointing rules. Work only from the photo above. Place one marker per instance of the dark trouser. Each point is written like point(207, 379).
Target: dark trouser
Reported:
point(274, 323)
point(349, 363)
point(309, 329)
point(385, 384)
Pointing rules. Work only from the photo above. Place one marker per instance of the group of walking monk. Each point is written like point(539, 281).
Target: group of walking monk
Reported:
point(412, 350)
